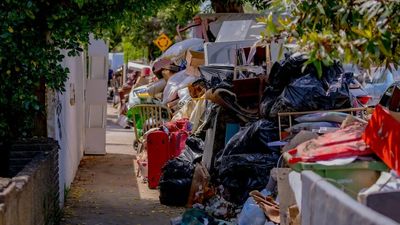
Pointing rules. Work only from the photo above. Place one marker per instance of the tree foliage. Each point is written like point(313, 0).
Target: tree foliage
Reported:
point(32, 35)
point(363, 32)
point(164, 17)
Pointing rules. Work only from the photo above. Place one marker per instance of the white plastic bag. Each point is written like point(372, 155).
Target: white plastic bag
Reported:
point(184, 97)
point(133, 95)
point(156, 87)
point(197, 113)
point(176, 82)
point(177, 51)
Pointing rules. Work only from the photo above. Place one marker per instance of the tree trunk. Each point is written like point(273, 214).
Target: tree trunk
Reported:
point(40, 126)
point(226, 6)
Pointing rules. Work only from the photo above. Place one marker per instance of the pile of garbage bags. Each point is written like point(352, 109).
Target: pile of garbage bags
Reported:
point(293, 89)
point(245, 162)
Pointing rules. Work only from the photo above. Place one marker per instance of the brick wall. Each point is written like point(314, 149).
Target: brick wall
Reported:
point(31, 195)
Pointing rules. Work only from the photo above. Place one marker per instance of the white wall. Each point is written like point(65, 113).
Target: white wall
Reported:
point(68, 122)
point(66, 116)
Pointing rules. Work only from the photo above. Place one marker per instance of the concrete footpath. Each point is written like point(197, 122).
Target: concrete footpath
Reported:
point(106, 190)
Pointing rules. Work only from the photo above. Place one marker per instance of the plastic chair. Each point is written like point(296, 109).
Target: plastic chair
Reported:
point(146, 117)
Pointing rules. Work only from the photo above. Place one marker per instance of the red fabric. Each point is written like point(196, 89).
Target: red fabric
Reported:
point(383, 136)
point(339, 144)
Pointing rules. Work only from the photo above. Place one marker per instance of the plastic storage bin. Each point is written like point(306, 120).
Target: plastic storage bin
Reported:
point(351, 178)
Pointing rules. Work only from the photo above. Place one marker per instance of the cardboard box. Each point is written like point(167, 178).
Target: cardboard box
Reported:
point(193, 71)
point(194, 58)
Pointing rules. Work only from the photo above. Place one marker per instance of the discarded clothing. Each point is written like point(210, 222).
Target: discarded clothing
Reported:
point(339, 144)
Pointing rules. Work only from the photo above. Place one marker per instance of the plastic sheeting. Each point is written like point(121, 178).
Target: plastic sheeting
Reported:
point(251, 213)
point(185, 111)
point(214, 75)
point(178, 81)
point(156, 87)
point(177, 51)
point(198, 114)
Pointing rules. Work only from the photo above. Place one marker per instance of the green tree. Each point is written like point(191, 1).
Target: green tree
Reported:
point(32, 35)
point(164, 17)
point(363, 32)
point(168, 14)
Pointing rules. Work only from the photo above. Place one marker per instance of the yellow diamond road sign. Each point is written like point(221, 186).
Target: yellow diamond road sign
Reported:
point(163, 42)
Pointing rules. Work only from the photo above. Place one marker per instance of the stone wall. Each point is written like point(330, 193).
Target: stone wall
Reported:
point(31, 195)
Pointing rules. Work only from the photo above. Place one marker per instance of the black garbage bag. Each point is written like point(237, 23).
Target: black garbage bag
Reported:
point(175, 182)
point(281, 75)
point(177, 174)
point(253, 139)
point(268, 99)
point(301, 90)
point(195, 144)
point(214, 75)
point(331, 74)
point(239, 174)
point(193, 150)
point(304, 94)
point(339, 95)
point(246, 160)
point(307, 93)
point(287, 70)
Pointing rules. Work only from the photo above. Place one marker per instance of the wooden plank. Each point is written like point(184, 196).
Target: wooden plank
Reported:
point(286, 196)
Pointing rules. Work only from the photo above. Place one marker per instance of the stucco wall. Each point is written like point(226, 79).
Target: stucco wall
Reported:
point(66, 122)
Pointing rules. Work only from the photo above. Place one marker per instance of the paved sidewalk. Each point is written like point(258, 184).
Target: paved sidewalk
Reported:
point(106, 190)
